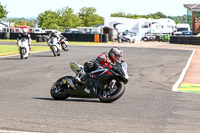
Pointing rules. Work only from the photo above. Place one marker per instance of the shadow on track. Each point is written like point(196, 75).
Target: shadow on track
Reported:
point(8, 58)
point(70, 100)
point(42, 55)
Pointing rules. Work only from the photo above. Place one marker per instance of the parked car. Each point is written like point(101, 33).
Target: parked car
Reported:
point(75, 31)
point(149, 37)
point(128, 37)
point(49, 31)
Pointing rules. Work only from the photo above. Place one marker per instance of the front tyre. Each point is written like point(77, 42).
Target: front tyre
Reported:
point(108, 96)
point(53, 49)
point(58, 90)
point(22, 53)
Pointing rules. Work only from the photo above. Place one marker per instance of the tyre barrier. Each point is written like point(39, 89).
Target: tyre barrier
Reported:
point(5, 35)
point(194, 40)
point(42, 37)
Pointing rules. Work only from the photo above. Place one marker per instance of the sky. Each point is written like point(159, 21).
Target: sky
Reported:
point(32, 8)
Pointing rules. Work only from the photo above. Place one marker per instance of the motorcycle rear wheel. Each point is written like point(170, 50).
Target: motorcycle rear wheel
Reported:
point(64, 46)
point(59, 92)
point(113, 97)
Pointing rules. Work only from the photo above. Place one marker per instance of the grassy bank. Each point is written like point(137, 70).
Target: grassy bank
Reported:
point(13, 49)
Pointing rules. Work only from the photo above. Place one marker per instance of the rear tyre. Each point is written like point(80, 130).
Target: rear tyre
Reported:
point(106, 96)
point(64, 46)
point(60, 91)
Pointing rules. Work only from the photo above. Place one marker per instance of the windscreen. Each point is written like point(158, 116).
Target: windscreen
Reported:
point(182, 29)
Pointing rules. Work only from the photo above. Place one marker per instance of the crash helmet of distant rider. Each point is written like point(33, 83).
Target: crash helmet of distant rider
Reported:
point(24, 34)
point(54, 33)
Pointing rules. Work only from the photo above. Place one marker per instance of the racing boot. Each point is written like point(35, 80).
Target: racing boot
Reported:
point(86, 78)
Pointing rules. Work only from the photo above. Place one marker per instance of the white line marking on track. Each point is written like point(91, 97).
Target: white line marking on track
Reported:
point(179, 81)
point(6, 131)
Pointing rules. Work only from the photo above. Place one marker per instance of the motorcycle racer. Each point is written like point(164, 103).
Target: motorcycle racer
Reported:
point(104, 60)
point(26, 35)
point(56, 35)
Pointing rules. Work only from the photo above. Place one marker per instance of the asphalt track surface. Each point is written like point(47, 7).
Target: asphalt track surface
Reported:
point(147, 106)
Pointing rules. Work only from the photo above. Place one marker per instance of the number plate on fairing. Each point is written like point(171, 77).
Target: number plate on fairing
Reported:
point(87, 90)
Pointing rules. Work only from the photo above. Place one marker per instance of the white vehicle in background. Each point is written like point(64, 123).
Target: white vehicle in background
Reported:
point(140, 26)
point(38, 30)
point(73, 30)
point(49, 31)
point(23, 48)
point(182, 28)
point(128, 37)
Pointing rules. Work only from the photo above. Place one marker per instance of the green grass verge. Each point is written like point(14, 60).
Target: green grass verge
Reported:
point(13, 49)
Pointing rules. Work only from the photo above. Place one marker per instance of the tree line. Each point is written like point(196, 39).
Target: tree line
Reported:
point(157, 15)
point(86, 17)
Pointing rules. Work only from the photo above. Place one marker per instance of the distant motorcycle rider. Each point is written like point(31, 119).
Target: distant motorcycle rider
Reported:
point(104, 60)
point(54, 33)
point(26, 35)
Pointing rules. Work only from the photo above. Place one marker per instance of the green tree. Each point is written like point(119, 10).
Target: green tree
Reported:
point(89, 17)
point(179, 19)
point(68, 19)
point(20, 21)
point(48, 19)
point(3, 12)
point(159, 15)
point(120, 14)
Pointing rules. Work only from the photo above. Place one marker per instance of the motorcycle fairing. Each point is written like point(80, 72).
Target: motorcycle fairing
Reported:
point(83, 91)
point(101, 74)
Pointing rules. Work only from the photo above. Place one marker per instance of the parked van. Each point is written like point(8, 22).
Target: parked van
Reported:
point(182, 28)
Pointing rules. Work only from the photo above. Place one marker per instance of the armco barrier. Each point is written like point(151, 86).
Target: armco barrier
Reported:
point(194, 40)
point(69, 36)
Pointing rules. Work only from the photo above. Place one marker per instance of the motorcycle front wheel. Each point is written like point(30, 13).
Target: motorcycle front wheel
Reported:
point(22, 52)
point(53, 49)
point(58, 90)
point(64, 46)
point(110, 95)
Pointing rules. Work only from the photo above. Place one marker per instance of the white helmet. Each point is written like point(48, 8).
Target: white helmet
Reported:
point(53, 32)
point(25, 31)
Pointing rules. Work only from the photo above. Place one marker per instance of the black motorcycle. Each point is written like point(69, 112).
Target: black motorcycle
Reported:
point(106, 84)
